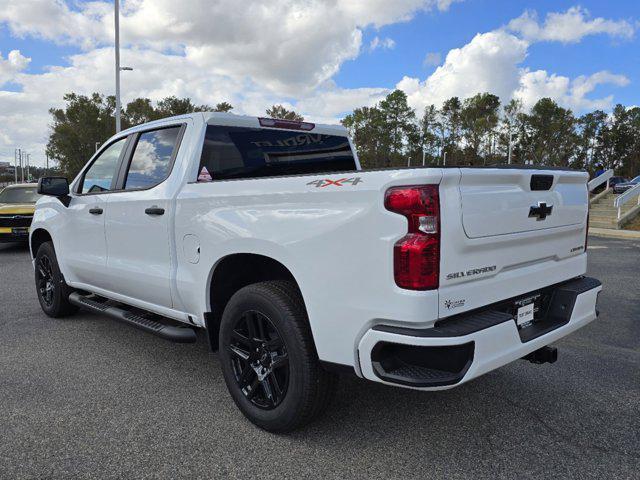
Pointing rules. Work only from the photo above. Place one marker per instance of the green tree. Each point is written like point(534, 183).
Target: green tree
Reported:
point(511, 131)
point(170, 106)
point(223, 107)
point(280, 112)
point(592, 132)
point(399, 121)
point(88, 121)
point(478, 120)
point(551, 138)
point(77, 128)
point(424, 144)
point(365, 127)
point(450, 119)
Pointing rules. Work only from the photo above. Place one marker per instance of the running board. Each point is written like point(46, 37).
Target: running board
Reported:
point(168, 332)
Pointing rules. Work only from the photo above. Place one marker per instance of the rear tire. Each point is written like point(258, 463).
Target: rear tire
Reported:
point(269, 360)
point(53, 292)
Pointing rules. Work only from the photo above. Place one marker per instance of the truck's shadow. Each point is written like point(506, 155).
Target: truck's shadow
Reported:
point(14, 248)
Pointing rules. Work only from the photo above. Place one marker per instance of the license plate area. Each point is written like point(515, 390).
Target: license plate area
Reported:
point(529, 309)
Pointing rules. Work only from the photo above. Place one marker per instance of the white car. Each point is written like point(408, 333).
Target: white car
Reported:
point(298, 265)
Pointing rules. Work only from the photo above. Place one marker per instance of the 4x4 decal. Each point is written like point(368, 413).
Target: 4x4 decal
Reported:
point(325, 182)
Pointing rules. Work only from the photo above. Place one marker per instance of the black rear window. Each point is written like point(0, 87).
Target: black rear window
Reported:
point(239, 152)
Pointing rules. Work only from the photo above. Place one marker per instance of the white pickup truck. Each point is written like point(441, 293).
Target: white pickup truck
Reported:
point(266, 234)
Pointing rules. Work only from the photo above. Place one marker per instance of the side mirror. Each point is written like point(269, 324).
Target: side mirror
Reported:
point(53, 186)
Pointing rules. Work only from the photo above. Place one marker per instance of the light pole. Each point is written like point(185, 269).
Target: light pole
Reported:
point(509, 158)
point(21, 166)
point(15, 162)
point(118, 67)
point(117, 25)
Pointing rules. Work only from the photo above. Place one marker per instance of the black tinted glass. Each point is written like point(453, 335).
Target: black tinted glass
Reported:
point(151, 161)
point(236, 152)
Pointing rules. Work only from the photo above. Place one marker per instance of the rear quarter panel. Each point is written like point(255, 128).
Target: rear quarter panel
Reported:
point(337, 241)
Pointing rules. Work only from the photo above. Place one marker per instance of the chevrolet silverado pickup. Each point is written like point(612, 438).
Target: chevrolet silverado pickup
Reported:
point(297, 265)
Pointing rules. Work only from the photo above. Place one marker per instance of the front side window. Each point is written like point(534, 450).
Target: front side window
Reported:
point(100, 175)
point(239, 152)
point(151, 161)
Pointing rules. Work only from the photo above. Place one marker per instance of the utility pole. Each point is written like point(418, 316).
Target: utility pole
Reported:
point(509, 159)
point(28, 155)
point(117, 25)
point(47, 170)
point(21, 166)
point(444, 161)
point(15, 163)
point(423, 156)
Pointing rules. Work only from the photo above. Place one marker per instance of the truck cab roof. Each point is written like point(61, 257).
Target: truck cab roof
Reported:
point(235, 120)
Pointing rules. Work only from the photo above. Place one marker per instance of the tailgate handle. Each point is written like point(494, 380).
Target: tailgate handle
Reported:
point(541, 182)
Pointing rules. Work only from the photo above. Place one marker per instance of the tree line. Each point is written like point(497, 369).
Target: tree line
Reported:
point(480, 130)
point(86, 122)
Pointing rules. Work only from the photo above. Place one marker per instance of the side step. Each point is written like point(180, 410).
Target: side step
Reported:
point(168, 332)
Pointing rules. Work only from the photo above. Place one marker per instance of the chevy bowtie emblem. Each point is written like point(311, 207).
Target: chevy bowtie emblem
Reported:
point(541, 211)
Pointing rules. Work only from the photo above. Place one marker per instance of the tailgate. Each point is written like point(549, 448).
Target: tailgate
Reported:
point(501, 201)
point(506, 232)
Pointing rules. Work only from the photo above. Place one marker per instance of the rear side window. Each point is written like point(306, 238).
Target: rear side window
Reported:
point(100, 175)
point(152, 158)
point(237, 152)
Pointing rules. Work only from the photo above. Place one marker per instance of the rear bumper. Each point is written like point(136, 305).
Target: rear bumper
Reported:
point(459, 349)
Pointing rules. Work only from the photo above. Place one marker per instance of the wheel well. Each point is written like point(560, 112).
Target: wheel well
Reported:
point(39, 237)
point(233, 273)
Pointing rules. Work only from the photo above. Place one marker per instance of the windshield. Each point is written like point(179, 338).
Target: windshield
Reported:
point(19, 195)
point(635, 180)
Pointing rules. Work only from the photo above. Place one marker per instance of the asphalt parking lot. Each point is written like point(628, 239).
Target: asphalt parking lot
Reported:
point(88, 397)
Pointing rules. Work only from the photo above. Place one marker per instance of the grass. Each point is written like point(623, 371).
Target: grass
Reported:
point(634, 225)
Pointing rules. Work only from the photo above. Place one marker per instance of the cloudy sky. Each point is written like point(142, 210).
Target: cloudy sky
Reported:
point(321, 57)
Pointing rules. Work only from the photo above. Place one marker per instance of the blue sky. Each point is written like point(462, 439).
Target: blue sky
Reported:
point(316, 56)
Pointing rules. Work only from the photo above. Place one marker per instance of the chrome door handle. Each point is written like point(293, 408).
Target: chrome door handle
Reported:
point(95, 211)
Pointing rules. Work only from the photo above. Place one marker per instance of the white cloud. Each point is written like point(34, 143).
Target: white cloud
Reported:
point(568, 27)
point(567, 92)
point(384, 43)
point(14, 63)
point(492, 62)
point(432, 59)
point(251, 54)
point(489, 63)
point(289, 46)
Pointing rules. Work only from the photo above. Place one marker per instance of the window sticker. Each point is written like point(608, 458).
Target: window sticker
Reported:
point(205, 176)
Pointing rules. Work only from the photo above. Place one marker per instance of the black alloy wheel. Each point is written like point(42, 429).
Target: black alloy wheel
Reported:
point(269, 360)
point(259, 360)
point(53, 292)
point(44, 280)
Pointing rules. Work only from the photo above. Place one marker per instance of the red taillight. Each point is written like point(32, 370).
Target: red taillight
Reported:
point(416, 256)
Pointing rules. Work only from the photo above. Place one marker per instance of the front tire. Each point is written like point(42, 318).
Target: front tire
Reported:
point(53, 292)
point(269, 360)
